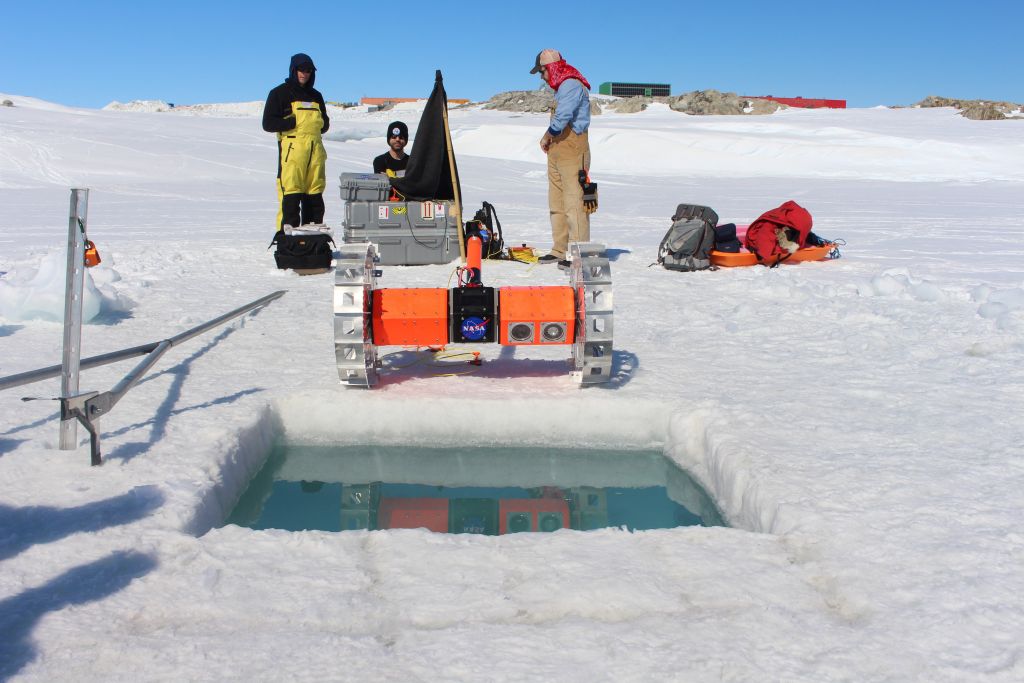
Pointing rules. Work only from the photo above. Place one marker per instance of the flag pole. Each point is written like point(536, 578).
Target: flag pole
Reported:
point(455, 183)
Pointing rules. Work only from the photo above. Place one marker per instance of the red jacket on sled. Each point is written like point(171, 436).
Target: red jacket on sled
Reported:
point(762, 238)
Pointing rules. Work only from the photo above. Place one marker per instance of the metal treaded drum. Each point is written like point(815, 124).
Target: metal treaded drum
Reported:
point(354, 282)
point(590, 275)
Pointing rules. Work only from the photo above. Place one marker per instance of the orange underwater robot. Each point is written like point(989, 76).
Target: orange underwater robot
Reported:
point(578, 315)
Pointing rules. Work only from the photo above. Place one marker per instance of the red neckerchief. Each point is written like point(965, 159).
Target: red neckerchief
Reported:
point(559, 72)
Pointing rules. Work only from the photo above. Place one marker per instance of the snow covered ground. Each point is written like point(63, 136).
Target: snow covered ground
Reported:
point(857, 421)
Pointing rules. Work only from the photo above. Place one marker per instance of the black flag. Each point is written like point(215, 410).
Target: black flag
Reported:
point(429, 173)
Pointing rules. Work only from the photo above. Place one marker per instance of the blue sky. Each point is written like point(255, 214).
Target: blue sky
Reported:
point(869, 53)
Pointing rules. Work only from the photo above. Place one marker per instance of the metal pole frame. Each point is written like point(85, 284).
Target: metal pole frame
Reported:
point(87, 407)
point(74, 287)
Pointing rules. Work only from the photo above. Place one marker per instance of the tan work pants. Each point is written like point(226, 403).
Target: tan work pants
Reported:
point(568, 154)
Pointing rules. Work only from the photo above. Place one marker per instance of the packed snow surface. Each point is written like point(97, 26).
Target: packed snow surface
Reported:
point(857, 421)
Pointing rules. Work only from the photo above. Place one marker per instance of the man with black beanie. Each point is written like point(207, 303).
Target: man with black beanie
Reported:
point(295, 110)
point(394, 161)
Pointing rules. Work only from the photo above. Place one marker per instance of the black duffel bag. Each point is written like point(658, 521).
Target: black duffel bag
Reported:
point(303, 251)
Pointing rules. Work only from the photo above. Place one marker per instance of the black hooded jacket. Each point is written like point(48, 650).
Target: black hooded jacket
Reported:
point(279, 101)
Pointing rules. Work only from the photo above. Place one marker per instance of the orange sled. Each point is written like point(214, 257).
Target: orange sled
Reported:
point(725, 259)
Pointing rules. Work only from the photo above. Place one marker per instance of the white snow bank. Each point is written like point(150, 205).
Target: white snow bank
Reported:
point(36, 292)
point(892, 145)
point(408, 107)
point(152, 106)
point(373, 418)
point(354, 133)
point(22, 102)
point(138, 105)
point(228, 109)
point(899, 281)
point(1004, 306)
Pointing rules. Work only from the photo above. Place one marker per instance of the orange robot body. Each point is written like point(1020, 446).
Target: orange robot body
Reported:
point(532, 514)
point(536, 315)
point(413, 513)
point(410, 317)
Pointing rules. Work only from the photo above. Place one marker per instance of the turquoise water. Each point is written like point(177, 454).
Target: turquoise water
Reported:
point(470, 490)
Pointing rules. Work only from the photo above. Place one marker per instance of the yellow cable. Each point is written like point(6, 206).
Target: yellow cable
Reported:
point(475, 354)
point(451, 275)
point(425, 354)
point(419, 358)
point(453, 374)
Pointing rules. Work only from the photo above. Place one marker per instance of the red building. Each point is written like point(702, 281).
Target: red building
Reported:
point(801, 102)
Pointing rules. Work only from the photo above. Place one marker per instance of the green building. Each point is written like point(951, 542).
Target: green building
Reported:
point(632, 89)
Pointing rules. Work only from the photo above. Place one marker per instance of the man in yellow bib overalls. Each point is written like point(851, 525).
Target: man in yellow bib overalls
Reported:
point(295, 110)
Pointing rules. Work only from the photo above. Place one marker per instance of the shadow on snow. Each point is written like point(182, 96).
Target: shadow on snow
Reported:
point(31, 525)
point(406, 365)
point(87, 583)
point(164, 411)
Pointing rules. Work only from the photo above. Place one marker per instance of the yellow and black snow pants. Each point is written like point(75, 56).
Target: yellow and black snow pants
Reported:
point(301, 168)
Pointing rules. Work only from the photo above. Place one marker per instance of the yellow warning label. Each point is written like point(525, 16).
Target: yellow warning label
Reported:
point(399, 210)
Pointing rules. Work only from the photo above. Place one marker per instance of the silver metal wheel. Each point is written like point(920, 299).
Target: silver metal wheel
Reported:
point(590, 275)
point(354, 282)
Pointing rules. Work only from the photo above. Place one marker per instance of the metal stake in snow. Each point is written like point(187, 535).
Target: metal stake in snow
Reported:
point(87, 407)
point(73, 292)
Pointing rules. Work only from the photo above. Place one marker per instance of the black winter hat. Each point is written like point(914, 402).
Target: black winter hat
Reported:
point(725, 238)
point(299, 60)
point(398, 128)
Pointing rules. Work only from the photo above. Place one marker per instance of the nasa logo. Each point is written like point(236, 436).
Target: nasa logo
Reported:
point(485, 235)
point(474, 328)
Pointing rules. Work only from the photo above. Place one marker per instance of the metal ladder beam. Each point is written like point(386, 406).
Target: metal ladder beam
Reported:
point(590, 275)
point(354, 281)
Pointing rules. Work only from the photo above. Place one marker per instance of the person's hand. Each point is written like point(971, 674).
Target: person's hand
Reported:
point(545, 142)
point(589, 192)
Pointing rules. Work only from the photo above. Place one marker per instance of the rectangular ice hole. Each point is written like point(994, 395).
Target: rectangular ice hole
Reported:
point(490, 491)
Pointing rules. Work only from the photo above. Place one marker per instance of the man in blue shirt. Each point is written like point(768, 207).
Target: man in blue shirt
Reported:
point(568, 149)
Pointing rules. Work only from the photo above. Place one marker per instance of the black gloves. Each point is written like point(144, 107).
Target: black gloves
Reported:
point(589, 192)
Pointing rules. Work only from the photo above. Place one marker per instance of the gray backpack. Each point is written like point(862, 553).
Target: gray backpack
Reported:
point(688, 243)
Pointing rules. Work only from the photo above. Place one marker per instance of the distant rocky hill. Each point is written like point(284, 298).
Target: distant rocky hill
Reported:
point(979, 110)
point(712, 102)
point(541, 100)
point(527, 101)
point(698, 102)
point(139, 105)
